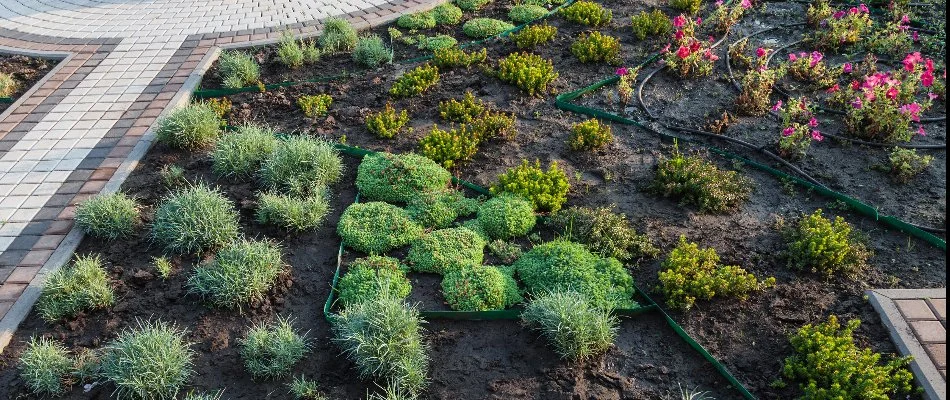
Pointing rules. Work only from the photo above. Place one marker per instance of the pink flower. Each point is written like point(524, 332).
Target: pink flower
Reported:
point(891, 93)
point(838, 15)
point(712, 39)
point(847, 68)
point(678, 35)
point(916, 36)
point(816, 136)
point(813, 122)
point(667, 48)
point(699, 20)
point(694, 46)
point(857, 104)
point(622, 71)
point(929, 65)
point(815, 58)
point(777, 105)
point(792, 57)
point(710, 55)
point(912, 110)
point(718, 3)
point(679, 21)
point(927, 79)
point(932, 96)
point(834, 88)
point(921, 131)
point(864, 8)
point(855, 85)
point(905, 19)
point(869, 95)
point(760, 52)
point(911, 61)
point(853, 10)
point(788, 131)
point(683, 52)
point(746, 4)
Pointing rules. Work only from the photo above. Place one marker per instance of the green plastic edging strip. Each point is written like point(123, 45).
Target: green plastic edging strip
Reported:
point(5, 100)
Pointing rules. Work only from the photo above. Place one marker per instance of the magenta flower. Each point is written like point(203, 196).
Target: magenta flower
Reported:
point(699, 20)
point(777, 105)
point(932, 96)
point(667, 48)
point(679, 21)
point(678, 35)
point(746, 4)
point(792, 57)
point(813, 122)
point(911, 61)
point(847, 68)
point(683, 52)
point(853, 10)
point(916, 36)
point(927, 79)
point(838, 15)
point(912, 110)
point(788, 131)
point(834, 89)
point(864, 8)
point(921, 131)
point(816, 136)
point(760, 52)
point(905, 19)
point(622, 71)
point(891, 93)
point(857, 104)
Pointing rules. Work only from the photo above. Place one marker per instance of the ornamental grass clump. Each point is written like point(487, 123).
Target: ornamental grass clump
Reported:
point(338, 35)
point(270, 350)
point(365, 276)
point(371, 51)
point(46, 367)
point(239, 154)
point(481, 28)
point(315, 106)
point(690, 273)
point(80, 287)
point(195, 219)
point(688, 56)
point(547, 190)
point(191, 127)
point(387, 123)
point(603, 231)
point(695, 181)
point(757, 85)
point(399, 178)
point(588, 13)
point(8, 85)
point(454, 57)
point(533, 36)
point(479, 288)
point(292, 212)
point(506, 216)
point(842, 28)
point(590, 135)
point(294, 53)
point(523, 13)
point(654, 23)
point(799, 128)
point(827, 364)
point(415, 81)
point(416, 21)
point(150, 361)
point(192, 395)
point(237, 69)
point(576, 328)
point(529, 72)
point(826, 247)
point(906, 164)
point(440, 209)
point(444, 250)
point(596, 47)
point(109, 216)
point(302, 166)
point(447, 14)
point(302, 388)
point(376, 227)
point(239, 274)
point(811, 68)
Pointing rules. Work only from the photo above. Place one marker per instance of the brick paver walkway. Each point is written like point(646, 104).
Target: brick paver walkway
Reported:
point(83, 127)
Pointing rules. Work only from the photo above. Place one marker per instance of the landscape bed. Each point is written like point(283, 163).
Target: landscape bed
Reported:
point(18, 73)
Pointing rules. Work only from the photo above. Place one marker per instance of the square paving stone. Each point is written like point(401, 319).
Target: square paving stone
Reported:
point(938, 353)
point(929, 331)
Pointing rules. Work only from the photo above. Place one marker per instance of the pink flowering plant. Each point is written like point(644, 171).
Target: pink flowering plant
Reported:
point(625, 84)
point(687, 55)
point(725, 16)
point(894, 39)
point(757, 85)
point(799, 128)
point(812, 68)
point(842, 28)
point(818, 11)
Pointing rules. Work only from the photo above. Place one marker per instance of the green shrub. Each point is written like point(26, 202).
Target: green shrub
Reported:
point(449, 148)
point(589, 135)
point(471, 5)
point(387, 123)
point(239, 274)
point(194, 219)
point(83, 286)
point(419, 20)
point(493, 124)
point(291, 212)
point(150, 361)
point(564, 265)
point(481, 28)
point(654, 23)
point(305, 389)
point(603, 231)
point(289, 51)
point(415, 81)
point(192, 395)
point(399, 178)
point(454, 57)
point(221, 105)
point(8, 85)
point(365, 276)
point(575, 326)
point(698, 182)
point(829, 365)
point(546, 190)
point(302, 166)
point(587, 13)
point(826, 247)
point(596, 47)
point(46, 367)
point(533, 36)
point(437, 42)
point(240, 153)
point(172, 176)
point(338, 35)
point(479, 288)
point(271, 350)
point(376, 227)
point(508, 252)
point(689, 6)
point(315, 106)
point(906, 163)
point(372, 52)
point(110, 216)
point(238, 69)
point(464, 111)
point(440, 209)
point(447, 14)
point(529, 72)
point(444, 250)
point(506, 216)
point(526, 13)
point(690, 273)
point(383, 337)
point(163, 266)
point(190, 127)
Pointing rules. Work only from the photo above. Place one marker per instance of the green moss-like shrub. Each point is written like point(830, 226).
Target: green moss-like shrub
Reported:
point(8, 85)
point(826, 247)
point(387, 123)
point(463, 111)
point(589, 135)
point(291, 212)
point(596, 47)
point(493, 124)
point(150, 361)
point(315, 106)
point(587, 13)
point(440, 209)
point(604, 231)
point(270, 350)
point(195, 219)
point(827, 364)
point(906, 164)
point(546, 190)
point(479, 288)
point(449, 147)
point(690, 273)
point(371, 51)
point(239, 154)
point(82, 286)
point(447, 14)
point(471, 5)
point(376, 227)
point(46, 366)
point(454, 57)
point(239, 274)
point(365, 276)
point(437, 42)
point(576, 328)
point(109, 216)
point(564, 265)
point(506, 216)
point(415, 81)
point(533, 36)
point(529, 72)
point(237, 69)
point(654, 23)
point(191, 127)
point(399, 178)
point(419, 20)
point(338, 35)
point(689, 6)
point(695, 181)
point(444, 250)
point(302, 166)
point(507, 252)
point(481, 28)
point(523, 13)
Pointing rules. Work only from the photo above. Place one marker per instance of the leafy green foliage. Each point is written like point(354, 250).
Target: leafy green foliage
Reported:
point(237, 69)
point(315, 106)
point(826, 247)
point(302, 166)
point(447, 14)
point(387, 123)
point(523, 13)
point(172, 176)
point(271, 350)
point(192, 395)
point(596, 47)
point(479, 288)
point(493, 124)
point(906, 163)
point(291, 212)
point(338, 35)
point(46, 366)
point(508, 252)
point(110, 216)
point(399, 178)
point(587, 13)
point(365, 276)
point(449, 147)
point(371, 51)
point(546, 190)
point(454, 57)
point(603, 231)
point(444, 250)
point(415, 81)
point(194, 219)
point(305, 389)
point(294, 53)
point(698, 182)
point(654, 23)
point(529, 72)
point(464, 111)
point(689, 6)
point(221, 105)
point(163, 266)
point(240, 153)
point(8, 85)
point(589, 135)
point(151, 361)
point(471, 5)
point(533, 36)
point(83, 286)
point(506, 216)
point(576, 327)
point(191, 127)
point(433, 43)
point(376, 227)
point(440, 209)
point(239, 274)
point(481, 28)
point(419, 20)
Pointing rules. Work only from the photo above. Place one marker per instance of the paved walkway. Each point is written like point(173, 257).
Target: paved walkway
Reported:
point(81, 129)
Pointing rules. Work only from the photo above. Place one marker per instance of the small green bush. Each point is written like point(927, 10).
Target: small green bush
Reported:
point(415, 81)
point(577, 328)
point(826, 247)
point(376, 227)
point(508, 252)
point(150, 361)
point(46, 367)
point(479, 288)
point(271, 350)
point(471, 5)
point(365, 276)
point(444, 250)
point(689, 6)
point(526, 13)
point(221, 105)
point(8, 85)
point(603, 231)
point(827, 364)
point(163, 266)
point(449, 147)
point(240, 153)
point(533, 36)
point(237, 69)
point(387, 123)
point(546, 190)
point(529, 72)
point(194, 219)
point(596, 47)
point(110, 216)
point(447, 14)
point(372, 52)
point(437, 42)
point(302, 166)
point(172, 176)
point(440, 209)
point(454, 57)
point(587, 13)
point(304, 389)
point(464, 111)
point(338, 35)
point(419, 20)
point(654, 23)
point(83, 286)
point(493, 124)
point(690, 273)
point(695, 181)
point(239, 274)
point(289, 51)
point(506, 216)
point(192, 395)
point(315, 106)
point(481, 28)
point(589, 135)
point(906, 163)
point(191, 127)
point(399, 178)
point(291, 212)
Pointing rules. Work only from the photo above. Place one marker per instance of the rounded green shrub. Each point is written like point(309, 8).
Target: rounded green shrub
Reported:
point(471, 5)
point(399, 178)
point(826, 247)
point(533, 36)
point(588, 13)
point(529, 72)
point(271, 350)
point(191, 127)
point(415, 81)
point(365, 276)
point(479, 288)
point(238, 274)
point(481, 28)
point(419, 20)
point(238, 69)
point(604, 231)
point(82, 286)
point(437, 42)
point(526, 13)
point(338, 35)
point(150, 361)
point(387, 123)
point(110, 216)
point(547, 190)
point(449, 147)
point(589, 135)
point(506, 216)
point(45, 366)
point(654, 23)
point(596, 47)
point(440, 209)
point(239, 154)
point(694, 180)
point(301, 166)
point(194, 219)
point(372, 52)
point(315, 106)
point(454, 57)
point(376, 227)
point(293, 213)
point(463, 111)
point(576, 327)
point(444, 250)
point(447, 14)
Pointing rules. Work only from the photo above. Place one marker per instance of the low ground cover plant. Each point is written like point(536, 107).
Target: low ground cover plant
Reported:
point(695, 181)
point(387, 123)
point(688, 6)
point(727, 15)
point(376, 227)
point(449, 147)
point(462, 111)
point(506, 251)
point(596, 47)
point(547, 190)
point(444, 250)
point(447, 14)
point(480, 288)
point(415, 81)
point(302, 166)
point(237, 69)
point(239, 154)
point(688, 56)
point(590, 135)
point(757, 85)
point(471, 5)
point(109, 216)
point(270, 350)
point(415, 21)
point(195, 219)
point(799, 128)
point(529, 72)
point(481, 28)
point(371, 51)
point(151, 360)
point(239, 274)
point(523, 13)
point(191, 127)
point(604, 231)
point(653, 23)
point(315, 106)
point(533, 36)
point(305, 389)
point(576, 328)
point(398, 178)
point(454, 57)
point(506, 216)
point(338, 35)
point(842, 28)
point(906, 163)
point(811, 67)
point(440, 209)
point(365, 276)
point(82, 286)
point(46, 367)
point(587, 13)
point(292, 212)
point(826, 247)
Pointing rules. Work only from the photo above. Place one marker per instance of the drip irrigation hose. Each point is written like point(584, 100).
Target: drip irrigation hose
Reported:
point(4, 100)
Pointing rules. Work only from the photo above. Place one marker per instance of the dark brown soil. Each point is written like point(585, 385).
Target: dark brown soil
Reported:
point(25, 70)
